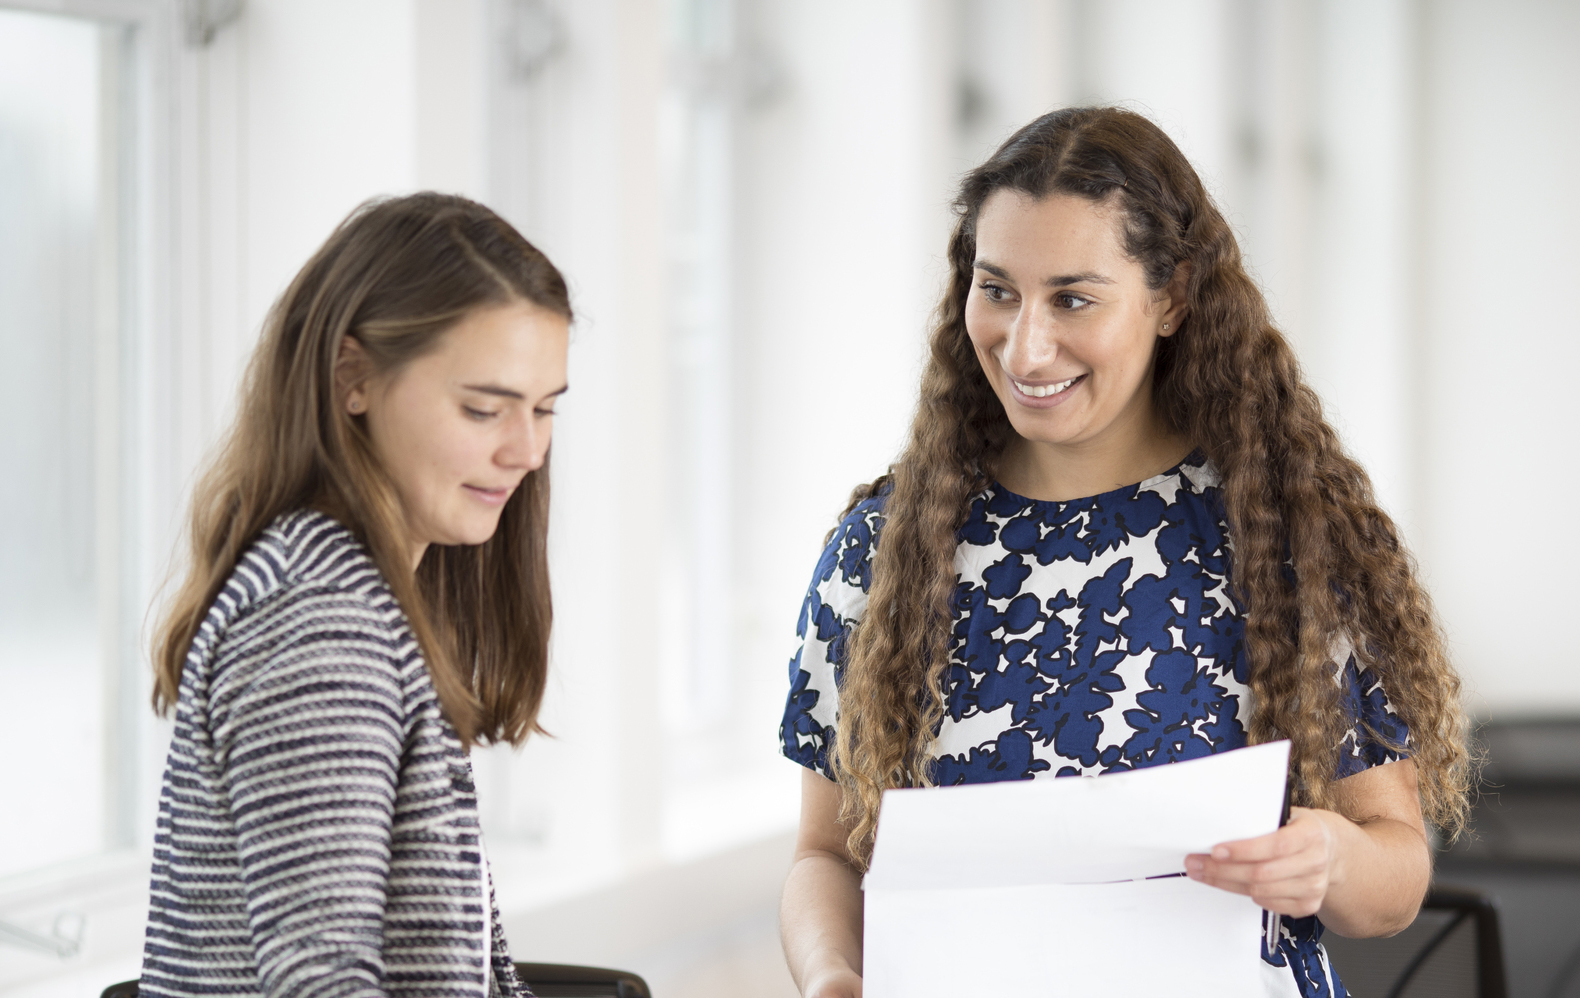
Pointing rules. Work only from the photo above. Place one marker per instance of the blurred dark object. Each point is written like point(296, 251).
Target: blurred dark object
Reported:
point(1523, 849)
point(547, 980)
point(1452, 950)
point(558, 980)
point(1527, 809)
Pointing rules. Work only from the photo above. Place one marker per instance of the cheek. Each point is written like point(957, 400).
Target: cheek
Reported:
point(980, 325)
point(419, 446)
point(453, 451)
point(1122, 352)
point(987, 333)
point(402, 451)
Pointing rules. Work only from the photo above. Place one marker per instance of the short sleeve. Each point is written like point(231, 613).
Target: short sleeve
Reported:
point(1376, 735)
point(833, 605)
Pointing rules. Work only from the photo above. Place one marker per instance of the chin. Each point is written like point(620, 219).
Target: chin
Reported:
point(470, 532)
point(1039, 431)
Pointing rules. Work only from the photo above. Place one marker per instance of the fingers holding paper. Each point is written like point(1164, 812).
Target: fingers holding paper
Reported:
point(1288, 871)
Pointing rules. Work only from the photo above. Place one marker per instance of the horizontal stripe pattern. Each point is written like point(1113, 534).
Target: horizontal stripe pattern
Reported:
point(317, 833)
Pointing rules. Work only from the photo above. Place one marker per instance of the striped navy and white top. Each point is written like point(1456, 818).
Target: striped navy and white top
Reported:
point(318, 831)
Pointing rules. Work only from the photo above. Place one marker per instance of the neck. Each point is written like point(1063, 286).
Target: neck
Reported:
point(1128, 452)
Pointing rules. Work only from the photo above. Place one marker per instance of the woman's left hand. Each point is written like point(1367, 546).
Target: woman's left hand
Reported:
point(1288, 872)
point(1364, 877)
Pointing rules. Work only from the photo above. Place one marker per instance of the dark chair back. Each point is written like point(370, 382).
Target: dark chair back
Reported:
point(547, 980)
point(1454, 949)
point(558, 980)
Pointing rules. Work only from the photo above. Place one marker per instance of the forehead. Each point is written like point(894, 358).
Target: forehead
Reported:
point(518, 341)
point(1059, 232)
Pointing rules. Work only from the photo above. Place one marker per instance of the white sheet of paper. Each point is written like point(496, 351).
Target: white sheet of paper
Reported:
point(1007, 889)
point(1081, 940)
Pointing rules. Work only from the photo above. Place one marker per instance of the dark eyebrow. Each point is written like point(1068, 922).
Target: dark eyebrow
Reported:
point(510, 393)
point(1062, 281)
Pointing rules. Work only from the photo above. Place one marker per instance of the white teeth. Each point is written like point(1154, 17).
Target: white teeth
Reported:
point(1043, 391)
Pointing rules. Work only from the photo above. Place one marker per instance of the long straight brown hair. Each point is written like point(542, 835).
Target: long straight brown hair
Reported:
point(1228, 380)
point(396, 275)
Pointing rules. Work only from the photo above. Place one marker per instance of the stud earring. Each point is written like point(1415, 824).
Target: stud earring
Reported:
point(1165, 327)
point(355, 406)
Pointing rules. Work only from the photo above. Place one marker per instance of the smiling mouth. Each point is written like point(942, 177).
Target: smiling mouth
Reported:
point(1043, 391)
point(490, 495)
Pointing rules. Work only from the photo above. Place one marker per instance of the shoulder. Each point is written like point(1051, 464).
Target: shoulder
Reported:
point(837, 595)
point(847, 554)
point(308, 600)
point(302, 560)
point(1195, 524)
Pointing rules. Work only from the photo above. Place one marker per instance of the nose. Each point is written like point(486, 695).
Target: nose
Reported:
point(1032, 343)
point(526, 443)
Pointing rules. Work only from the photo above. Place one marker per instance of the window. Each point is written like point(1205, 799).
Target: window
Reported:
point(62, 633)
point(697, 149)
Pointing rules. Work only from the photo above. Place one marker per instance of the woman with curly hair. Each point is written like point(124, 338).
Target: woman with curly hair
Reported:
point(1121, 535)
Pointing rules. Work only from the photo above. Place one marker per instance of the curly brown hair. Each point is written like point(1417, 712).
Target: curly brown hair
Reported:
point(1316, 561)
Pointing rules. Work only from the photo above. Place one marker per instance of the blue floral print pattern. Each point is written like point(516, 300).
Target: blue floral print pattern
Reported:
point(1090, 637)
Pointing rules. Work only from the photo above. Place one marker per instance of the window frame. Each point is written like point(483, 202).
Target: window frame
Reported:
point(140, 45)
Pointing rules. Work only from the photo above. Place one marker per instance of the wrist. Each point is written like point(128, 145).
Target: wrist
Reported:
point(830, 977)
point(826, 963)
point(823, 962)
point(1339, 832)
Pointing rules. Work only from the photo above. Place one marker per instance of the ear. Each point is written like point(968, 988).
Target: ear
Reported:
point(1174, 300)
point(352, 367)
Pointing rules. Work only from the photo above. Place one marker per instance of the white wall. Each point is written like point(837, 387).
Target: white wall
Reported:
point(1498, 341)
point(1175, 62)
point(1356, 334)
point(843, 221)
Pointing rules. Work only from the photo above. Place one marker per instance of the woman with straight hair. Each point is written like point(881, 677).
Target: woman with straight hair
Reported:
point(1121, 535)
point(367, 598)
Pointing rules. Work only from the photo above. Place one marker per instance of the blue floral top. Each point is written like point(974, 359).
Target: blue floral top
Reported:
point(1091, 636)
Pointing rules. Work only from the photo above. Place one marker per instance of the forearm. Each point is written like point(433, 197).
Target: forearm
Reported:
point(820, 919)
point(1381, 872)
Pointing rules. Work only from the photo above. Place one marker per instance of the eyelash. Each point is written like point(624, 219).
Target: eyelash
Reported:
point(481, 415)
point(989, 289)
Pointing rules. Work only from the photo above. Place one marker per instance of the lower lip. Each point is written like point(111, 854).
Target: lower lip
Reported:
point(493, 497)
point(1047, 401)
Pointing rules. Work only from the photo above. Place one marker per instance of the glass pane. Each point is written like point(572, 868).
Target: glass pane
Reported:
point(51, 674)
